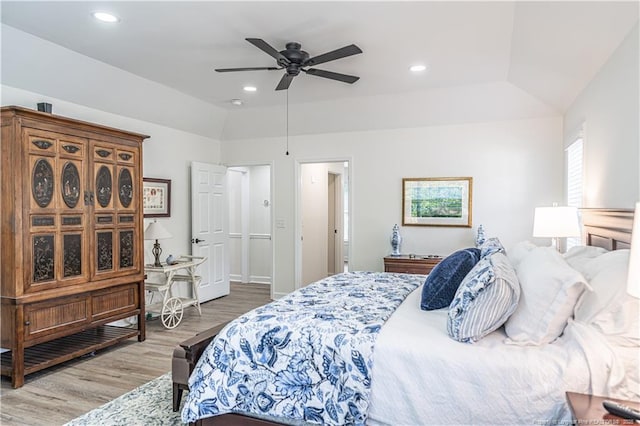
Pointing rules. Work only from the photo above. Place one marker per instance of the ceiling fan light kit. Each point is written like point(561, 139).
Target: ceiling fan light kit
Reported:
point(293, 60)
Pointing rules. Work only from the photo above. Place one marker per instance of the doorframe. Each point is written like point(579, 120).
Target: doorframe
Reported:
point(298, 209)
point(272, 190)
point(338, 219)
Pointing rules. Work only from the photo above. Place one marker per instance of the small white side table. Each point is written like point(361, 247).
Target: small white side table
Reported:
point(172, 307)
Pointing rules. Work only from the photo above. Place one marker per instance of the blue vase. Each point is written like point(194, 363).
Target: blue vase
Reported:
point(396, 240)
point(171, 260)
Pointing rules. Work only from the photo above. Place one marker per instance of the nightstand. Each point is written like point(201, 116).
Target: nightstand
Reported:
point(586, 409)
point(411, 264)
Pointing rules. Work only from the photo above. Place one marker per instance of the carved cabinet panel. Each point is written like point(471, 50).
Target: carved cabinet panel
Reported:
point(116, 200)
point(55, 183)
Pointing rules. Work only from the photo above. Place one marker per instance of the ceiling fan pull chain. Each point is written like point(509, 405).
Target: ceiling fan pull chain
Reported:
point(287, 123)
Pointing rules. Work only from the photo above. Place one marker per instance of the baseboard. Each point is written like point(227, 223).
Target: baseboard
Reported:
point(278, 295)
point(254, 279)
point(260, 279)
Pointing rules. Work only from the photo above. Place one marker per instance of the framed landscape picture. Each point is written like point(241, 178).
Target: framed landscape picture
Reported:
point(156, 197)
point(437, 201)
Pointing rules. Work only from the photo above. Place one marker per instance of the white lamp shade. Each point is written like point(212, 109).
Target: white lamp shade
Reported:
point(633, 282)
point(556, 222)
point(155, 231)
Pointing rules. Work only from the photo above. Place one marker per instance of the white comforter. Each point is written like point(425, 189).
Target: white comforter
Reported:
point(422, 377)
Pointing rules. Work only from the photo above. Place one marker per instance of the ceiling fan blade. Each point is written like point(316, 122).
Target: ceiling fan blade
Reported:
point(352, 49)
point(333, 75)
point(247, 69)
point(268, 49)
point(285, 82)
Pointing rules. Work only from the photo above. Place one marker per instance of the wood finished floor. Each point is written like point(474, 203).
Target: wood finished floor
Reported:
point(64, 392)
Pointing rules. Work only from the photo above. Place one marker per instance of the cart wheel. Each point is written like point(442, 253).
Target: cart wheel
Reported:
point(172, 312)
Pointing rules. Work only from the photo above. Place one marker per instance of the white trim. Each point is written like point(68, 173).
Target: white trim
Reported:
point(259, 236)
point(278, 295)
point(253, 279)
point(259, 279)
point(245, 203)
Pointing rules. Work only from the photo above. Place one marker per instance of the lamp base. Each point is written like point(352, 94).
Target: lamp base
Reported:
point(156, 250)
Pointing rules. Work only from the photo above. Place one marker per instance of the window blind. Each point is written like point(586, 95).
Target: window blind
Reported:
point(574, 180)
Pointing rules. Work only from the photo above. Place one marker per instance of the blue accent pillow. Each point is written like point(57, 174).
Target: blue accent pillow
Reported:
point(443, 281)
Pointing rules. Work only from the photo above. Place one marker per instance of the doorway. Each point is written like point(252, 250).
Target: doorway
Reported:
point(322, 237)
point(250, 224)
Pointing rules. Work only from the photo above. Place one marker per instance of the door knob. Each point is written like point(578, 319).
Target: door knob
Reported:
point(196, 241)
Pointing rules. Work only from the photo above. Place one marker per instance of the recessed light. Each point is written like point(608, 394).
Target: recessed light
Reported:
point(236, 102)
point(105, 17)
point(417, 68)
point(250, 88)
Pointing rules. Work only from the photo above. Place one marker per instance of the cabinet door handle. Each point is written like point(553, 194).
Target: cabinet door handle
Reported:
point(88, 198)
point(27, 323)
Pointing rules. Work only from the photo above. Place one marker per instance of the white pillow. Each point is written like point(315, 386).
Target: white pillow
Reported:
point(550, 289)
point(609, 308)
point(519, 251)
point(607, 275)
point(579, 256)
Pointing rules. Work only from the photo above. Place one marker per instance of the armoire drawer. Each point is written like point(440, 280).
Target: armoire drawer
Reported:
point(43, 319)
point(114, 301)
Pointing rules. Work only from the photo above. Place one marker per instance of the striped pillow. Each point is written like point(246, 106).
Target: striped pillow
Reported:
point(486, 298)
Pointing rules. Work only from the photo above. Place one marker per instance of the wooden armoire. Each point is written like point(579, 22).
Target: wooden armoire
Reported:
point(71, 257)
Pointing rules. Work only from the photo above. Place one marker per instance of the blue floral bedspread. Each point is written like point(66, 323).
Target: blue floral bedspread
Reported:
point(307, 356)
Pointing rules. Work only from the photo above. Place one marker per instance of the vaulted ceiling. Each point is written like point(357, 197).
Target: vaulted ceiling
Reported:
point(549, 50)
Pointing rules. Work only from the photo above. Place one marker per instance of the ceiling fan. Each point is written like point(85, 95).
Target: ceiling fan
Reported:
point(294, 60)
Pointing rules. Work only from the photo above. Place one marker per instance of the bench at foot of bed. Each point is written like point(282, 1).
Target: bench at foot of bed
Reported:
point(185, 357)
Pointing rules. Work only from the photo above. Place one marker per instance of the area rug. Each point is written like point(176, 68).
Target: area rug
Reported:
point(148, 405)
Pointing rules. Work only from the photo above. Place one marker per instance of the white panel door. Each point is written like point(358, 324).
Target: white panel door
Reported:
point(210, 228)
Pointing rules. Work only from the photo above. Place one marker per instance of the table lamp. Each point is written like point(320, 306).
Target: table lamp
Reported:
point(633, 280)
point(155, 231)
point(556, 222)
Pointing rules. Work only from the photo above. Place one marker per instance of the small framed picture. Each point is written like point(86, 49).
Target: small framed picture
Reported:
point(436, 201)
point(156, 197)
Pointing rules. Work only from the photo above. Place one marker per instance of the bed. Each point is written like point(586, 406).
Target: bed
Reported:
point(416, 372)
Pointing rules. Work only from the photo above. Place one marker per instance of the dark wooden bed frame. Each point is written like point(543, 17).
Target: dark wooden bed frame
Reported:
point(606, 228)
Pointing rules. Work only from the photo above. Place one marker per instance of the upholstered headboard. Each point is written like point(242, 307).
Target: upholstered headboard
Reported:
point(607, 228)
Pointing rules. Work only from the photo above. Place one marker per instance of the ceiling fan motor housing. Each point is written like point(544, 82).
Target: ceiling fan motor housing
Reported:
point(295, 56)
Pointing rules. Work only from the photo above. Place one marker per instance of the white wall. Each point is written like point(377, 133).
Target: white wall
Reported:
point(166, 154)
point(610, 109)
point(516, 166)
